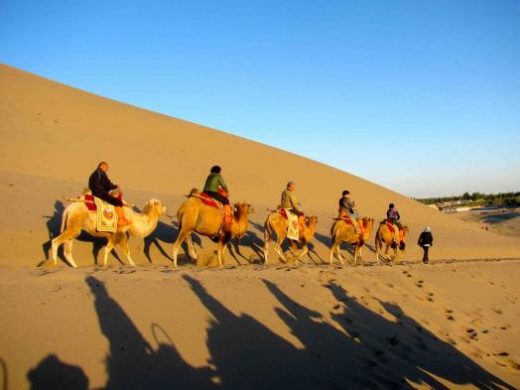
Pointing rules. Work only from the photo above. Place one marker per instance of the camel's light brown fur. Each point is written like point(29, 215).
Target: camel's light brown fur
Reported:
point(76, 217)
point(276, 224)
point(195, 216)
point(386, 237)
point(342, 231)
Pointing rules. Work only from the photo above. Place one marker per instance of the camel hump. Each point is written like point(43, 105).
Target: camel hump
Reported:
point(194, 191)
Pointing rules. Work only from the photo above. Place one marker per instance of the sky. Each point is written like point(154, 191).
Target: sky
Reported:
point(422, 97)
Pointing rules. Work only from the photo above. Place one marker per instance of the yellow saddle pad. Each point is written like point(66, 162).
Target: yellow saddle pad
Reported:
point(106, 216)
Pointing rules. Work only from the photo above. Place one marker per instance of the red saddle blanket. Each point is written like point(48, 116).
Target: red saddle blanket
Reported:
point(208, 200)
point(344, 218)
point(283, 213)
point(91, 205)
point(89, 201)
point(390, 226)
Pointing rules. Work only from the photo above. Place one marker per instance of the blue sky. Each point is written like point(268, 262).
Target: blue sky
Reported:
point(420, 96)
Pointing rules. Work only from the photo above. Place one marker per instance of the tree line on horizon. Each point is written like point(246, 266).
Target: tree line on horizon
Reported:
point(502, 199)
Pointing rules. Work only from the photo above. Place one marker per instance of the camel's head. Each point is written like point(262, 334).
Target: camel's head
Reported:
point(311, 221)
point(368, 225)
point(154, 204)
point(242, 208)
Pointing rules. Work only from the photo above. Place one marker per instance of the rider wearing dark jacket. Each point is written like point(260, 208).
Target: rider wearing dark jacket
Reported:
point(100, 185)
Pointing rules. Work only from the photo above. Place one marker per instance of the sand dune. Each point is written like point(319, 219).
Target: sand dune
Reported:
point(53, 136)
point(453, 323)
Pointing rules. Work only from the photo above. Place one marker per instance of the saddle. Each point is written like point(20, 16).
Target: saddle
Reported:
point(208, 200)
point(293, 225)
point(90, 201)
point(390, 226)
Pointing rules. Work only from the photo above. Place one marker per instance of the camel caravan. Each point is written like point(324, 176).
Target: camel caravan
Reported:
point(101, 211)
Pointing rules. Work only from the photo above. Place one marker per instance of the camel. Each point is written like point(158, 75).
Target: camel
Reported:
point(277, 224)
point(385, 236)
point(341, 231)
point(195, 216)
point(76, 217)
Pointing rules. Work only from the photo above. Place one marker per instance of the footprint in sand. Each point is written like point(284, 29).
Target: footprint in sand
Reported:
point(449, 315)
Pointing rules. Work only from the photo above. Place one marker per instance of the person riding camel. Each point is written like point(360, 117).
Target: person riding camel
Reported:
point(290, 202)
point(101, 187)
point(217, 189)
point(393, 216)
point(347, 208)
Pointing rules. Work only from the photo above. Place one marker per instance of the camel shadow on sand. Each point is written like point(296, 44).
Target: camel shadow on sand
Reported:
point(165, 235)
point(362, 349)
point(369, 352)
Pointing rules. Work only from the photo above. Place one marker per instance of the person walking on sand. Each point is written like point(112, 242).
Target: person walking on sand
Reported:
point(425, 242)
point(101, 187)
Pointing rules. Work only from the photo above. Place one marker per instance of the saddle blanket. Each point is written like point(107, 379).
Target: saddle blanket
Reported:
point(398, 234)
point(208, 200)
point(293, 228)
point(106, 216)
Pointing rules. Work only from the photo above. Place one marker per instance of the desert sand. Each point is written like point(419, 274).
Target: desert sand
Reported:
point(451, 323)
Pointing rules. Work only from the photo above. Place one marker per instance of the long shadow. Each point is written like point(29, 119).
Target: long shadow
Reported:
point(324, 239)
point(163, 233)
point(251, 240)
point(246, 353)
point(53, 227)
point(132, 362)
point(403, 350)
point(52, 373)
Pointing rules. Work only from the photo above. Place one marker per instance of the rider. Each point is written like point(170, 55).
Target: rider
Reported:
point(347, 207)
point(290, 202)
point(101, 187)
point(217, 189)
point(393, 216)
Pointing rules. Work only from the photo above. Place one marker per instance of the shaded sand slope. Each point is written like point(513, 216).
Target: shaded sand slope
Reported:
point(53, 136)
point(249, 327)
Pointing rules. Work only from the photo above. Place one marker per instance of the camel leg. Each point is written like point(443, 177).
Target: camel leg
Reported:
point(267, 240)
point(303, 252)
point(278, 250)
point(341, 257)
point(67, 252)
point(293, 247)
point(177, 244)
point(108, 248)
point(387, 256)
point(57, 241)
point(331, 254)
point(191, 248)
point(220, 249)
point(126, 249)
